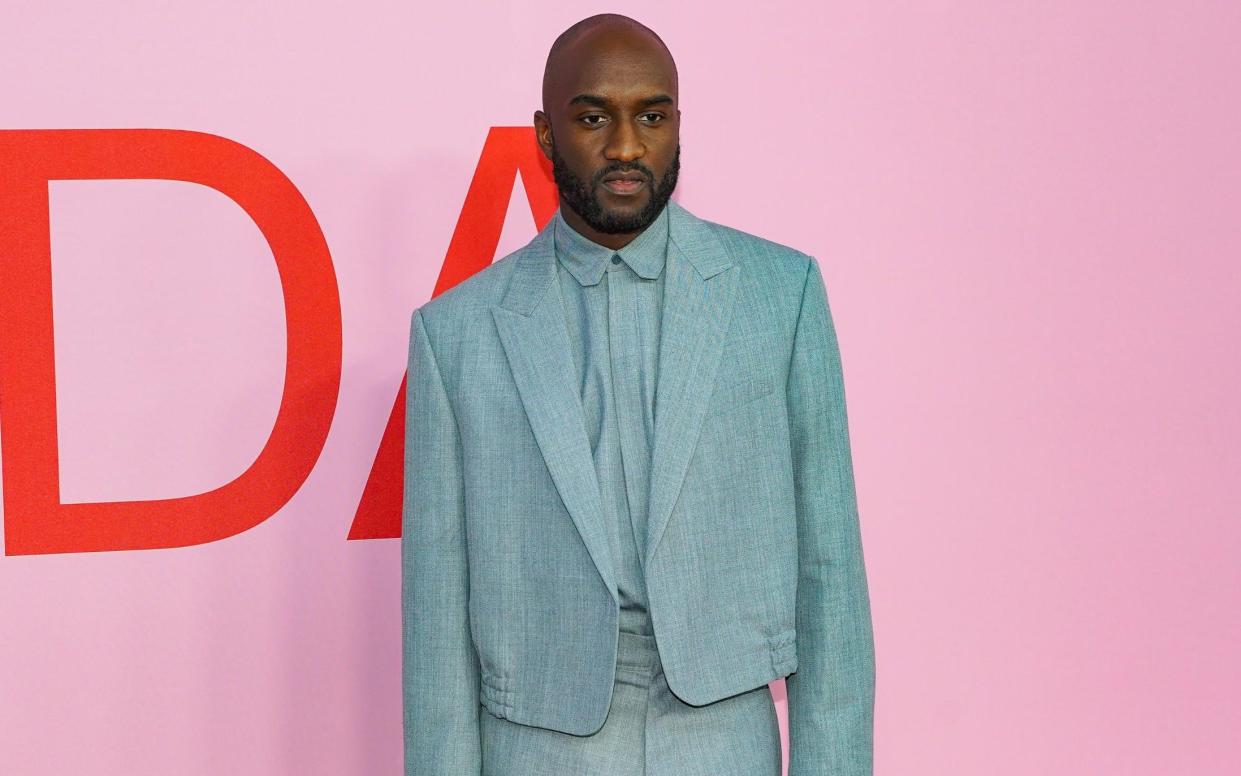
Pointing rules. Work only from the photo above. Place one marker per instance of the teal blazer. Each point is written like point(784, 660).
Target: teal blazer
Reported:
point(753, 560)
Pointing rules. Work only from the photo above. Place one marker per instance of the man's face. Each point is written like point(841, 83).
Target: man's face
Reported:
point(612, 131)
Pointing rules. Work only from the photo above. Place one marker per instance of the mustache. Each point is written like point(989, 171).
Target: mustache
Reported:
point(622, 168)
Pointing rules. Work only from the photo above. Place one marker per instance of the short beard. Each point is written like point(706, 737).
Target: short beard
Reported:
point(580, 195)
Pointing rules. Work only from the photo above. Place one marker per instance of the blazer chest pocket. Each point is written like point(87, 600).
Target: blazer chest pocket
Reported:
point(739, 392)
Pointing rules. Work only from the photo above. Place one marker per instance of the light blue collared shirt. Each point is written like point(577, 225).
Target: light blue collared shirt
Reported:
point(613, 304)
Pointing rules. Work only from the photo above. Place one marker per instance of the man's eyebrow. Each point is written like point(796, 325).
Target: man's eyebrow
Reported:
point(601, 102)
point(658, 99)
point(589, 99)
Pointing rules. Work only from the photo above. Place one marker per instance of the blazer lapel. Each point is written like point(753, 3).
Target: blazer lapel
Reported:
point(530, 322)
point(699, 290)
point(697, 309)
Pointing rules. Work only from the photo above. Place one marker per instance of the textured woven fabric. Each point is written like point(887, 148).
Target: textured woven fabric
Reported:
point(752, 562)
point(648, 732)
point(612, 306)
point(612, 303)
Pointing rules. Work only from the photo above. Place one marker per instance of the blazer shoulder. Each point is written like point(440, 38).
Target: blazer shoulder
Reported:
point(456, 309)
point(783, 263)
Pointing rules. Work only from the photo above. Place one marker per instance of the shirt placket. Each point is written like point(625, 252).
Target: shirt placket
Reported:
point(625, 354)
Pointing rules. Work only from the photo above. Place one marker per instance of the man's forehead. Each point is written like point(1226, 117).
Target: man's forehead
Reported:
point(618, 64)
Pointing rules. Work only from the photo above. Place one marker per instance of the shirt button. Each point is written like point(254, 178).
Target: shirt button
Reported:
point(616, 259)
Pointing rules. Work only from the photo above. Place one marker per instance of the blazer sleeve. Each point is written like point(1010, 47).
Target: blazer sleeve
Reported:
point(440, 669)
point(831, 695)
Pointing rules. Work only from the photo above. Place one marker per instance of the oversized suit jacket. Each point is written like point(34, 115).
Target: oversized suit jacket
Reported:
point(753, 560)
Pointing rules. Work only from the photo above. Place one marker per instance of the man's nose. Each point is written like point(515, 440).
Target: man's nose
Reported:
point(624, 145)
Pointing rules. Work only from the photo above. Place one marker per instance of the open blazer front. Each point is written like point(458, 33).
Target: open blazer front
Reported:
point(753, 560)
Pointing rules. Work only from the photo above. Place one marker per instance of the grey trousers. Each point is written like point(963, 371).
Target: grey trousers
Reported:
point(648, 732)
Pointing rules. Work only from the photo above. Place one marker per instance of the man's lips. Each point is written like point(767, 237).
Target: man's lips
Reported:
point(624, 186)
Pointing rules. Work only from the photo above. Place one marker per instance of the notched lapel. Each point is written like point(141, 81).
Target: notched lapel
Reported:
point(532, 330)
point(699, 291)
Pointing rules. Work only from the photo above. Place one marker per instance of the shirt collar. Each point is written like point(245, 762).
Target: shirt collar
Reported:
point(587, 260)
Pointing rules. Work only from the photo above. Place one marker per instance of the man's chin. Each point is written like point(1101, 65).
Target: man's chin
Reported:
point(627, 217)
point(621, 223)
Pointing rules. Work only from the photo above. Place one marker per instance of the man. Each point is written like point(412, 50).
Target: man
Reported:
point(629, 497)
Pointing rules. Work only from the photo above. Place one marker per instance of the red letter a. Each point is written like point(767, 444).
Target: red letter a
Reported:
point(473, 246)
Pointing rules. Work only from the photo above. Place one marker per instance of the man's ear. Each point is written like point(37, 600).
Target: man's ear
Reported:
point(543, 133)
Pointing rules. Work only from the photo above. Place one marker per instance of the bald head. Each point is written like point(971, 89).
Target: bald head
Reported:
point(610, 125)
point(597, 40)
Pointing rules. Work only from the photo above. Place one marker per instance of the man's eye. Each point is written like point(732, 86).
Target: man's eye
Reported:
point(652, 118)
point(587, 120)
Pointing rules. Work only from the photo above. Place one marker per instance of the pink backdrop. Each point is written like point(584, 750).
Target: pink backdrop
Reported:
point(1027, 216)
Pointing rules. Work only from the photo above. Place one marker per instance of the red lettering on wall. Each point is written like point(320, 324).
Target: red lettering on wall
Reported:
point(473, 246)
point(35, 522)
